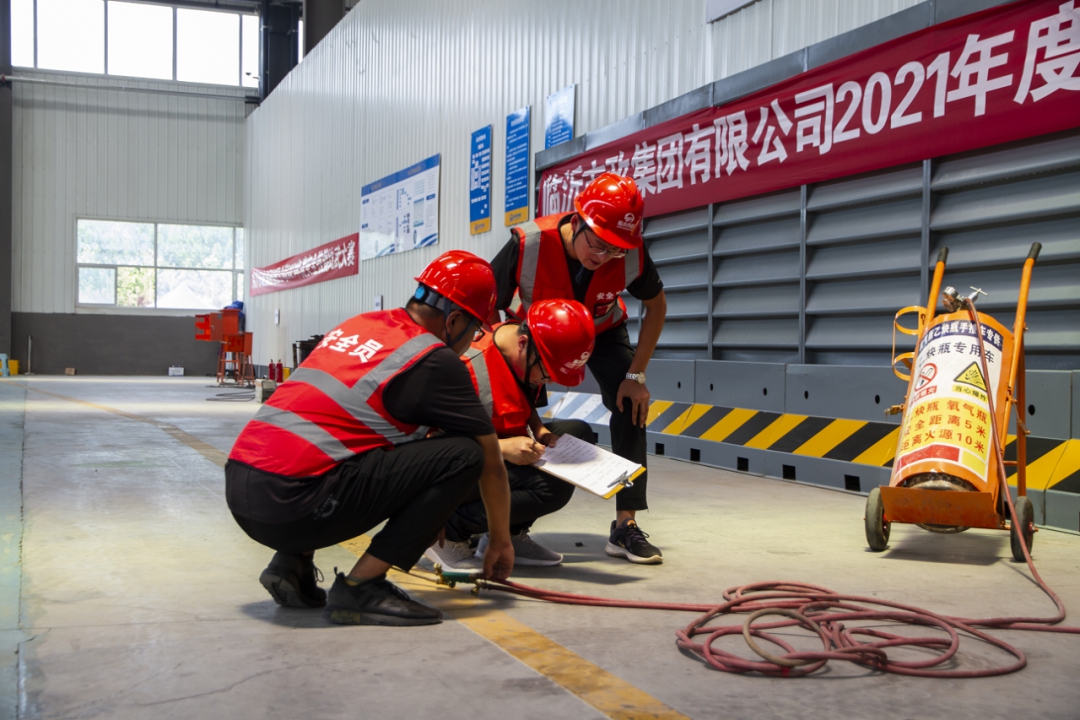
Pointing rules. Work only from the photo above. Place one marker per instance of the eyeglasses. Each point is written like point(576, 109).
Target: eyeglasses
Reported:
point(544, 377)
point(478, 334)
point(603, 249)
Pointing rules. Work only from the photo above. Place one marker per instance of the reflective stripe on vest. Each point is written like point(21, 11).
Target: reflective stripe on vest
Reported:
point(356, 414)
point(475, 358)
point(532, 235)
point(291, 422)
point(498, 387)
point(528, 261)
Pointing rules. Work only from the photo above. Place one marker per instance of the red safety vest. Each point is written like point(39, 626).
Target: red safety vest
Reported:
point(498, 388)
point(332, 408)
point(542, 273)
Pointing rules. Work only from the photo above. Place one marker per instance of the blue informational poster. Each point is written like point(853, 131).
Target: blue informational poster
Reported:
point(559, 117)
point(480, 181)
point(517, 166)
point(401, 211)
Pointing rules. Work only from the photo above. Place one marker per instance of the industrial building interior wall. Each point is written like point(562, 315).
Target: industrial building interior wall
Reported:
point(119, 156)
point(397, 82)
point(112, 155)
point(815, 274)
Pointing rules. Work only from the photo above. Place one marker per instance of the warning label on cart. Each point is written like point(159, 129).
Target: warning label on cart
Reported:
point(972, 376)
point(947, 421)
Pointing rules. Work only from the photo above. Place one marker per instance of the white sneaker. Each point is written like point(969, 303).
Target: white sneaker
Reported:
point(453, 555)
point(527, 552)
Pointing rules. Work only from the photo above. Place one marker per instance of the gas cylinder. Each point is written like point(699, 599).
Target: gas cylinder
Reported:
point(946, 435)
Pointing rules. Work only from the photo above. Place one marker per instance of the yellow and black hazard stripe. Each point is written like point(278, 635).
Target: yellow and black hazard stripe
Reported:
point(860, 441)
point(1051, 464)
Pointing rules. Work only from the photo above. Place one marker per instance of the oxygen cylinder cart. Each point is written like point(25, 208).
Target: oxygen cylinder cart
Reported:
point(966, 376)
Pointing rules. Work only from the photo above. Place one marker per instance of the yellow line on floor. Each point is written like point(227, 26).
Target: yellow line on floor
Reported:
point(208, 451)
point(595, 686)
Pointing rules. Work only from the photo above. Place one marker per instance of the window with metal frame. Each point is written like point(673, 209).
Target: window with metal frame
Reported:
point(158, 265)
point(136, 39)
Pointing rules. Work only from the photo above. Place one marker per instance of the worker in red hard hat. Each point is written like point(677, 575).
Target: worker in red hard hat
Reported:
point(344, 445)
point(592, 256)
point(508, 367)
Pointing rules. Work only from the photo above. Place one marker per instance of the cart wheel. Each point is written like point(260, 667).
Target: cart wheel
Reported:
point(877, 527)
point(1023, 522)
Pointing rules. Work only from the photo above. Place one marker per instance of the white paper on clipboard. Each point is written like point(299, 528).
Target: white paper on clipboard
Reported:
point(589, 467)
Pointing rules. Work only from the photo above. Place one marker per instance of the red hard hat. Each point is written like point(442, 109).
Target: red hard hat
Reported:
point(563, 332)
point(465, 280)
point(612, 206)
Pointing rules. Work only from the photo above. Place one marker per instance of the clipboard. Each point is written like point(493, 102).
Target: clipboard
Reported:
point(589, 467)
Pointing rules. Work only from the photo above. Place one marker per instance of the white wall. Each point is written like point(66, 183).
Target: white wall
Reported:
point(400, 80)
point(117, 155)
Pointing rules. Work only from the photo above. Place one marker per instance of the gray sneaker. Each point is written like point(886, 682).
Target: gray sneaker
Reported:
point(453, 555)
point(527, 552)
point(375, 602)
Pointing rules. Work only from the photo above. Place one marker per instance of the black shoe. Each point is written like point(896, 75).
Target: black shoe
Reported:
point(292, 580)
point(376, 602)
point(628, 541)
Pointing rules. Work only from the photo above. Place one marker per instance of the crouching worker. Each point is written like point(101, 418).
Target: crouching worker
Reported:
point(343, 446)
point(509, 367)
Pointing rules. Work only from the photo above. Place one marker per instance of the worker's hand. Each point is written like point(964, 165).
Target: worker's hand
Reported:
point(520, 450)
point(498, 558)
point(638, 395)
point(547, 438)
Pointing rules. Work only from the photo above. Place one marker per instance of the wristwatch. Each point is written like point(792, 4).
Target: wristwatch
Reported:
point(639, 378)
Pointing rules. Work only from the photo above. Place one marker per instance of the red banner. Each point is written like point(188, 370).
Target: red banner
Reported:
point(326, 262)
point(992, 77)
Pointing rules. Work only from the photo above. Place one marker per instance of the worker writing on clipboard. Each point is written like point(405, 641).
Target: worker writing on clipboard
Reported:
point(509, 367)
point(591, 256)
point(344, 445)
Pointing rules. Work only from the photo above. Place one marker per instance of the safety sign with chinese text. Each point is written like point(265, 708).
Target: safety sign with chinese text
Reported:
point(947, 419)
point(401, 211)
point(517, 167)
point(559, 117)
point(480, 181)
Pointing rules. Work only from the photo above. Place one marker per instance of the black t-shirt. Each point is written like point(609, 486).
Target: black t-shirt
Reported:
point(436, 391)
point(647, 285)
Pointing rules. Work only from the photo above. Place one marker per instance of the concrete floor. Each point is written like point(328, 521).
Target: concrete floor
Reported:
point(137, 595)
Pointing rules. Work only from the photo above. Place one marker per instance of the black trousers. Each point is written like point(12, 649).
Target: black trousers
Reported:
point(533, 493)
point(609, 364)
point(414, 487)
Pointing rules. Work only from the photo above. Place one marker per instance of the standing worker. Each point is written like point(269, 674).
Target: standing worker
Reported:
point(509, 366)
point(591, 256)
point(341, 447)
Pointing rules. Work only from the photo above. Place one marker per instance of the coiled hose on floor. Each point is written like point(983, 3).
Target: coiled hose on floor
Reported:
point(826, 614)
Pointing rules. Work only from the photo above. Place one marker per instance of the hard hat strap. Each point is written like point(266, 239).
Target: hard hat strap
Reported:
point(431, 298)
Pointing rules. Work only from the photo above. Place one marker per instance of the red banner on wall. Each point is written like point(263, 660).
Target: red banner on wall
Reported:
point(996, 76)
point(326, 262)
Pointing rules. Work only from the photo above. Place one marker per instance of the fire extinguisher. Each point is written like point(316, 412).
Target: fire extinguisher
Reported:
point(279, 373)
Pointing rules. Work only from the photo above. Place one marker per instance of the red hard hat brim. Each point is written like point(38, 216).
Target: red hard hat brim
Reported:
point(611, 238)
point(569, 379)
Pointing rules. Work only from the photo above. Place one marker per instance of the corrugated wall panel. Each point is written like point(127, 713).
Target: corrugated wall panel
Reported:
point(396, 82)
point(113, 154)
